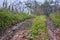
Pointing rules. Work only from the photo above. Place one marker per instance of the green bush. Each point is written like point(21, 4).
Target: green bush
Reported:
point(56, 19)
point(39, 27)
point(8, 18)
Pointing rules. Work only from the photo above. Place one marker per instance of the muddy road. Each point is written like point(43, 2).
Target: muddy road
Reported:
point(53, 31)
point(22, 26)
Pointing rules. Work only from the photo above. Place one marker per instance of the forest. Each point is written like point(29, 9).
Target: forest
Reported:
point(30, 20)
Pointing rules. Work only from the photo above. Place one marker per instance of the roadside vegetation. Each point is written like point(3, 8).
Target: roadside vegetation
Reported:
point(9, 18)
point(39, 28)
point(56, 19)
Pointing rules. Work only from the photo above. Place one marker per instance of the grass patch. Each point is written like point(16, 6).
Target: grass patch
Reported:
point(56, 19)
point(39, 27)
point(8, 18)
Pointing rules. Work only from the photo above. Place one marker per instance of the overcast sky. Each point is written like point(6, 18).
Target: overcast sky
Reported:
point(10, 1)
point(21, 0)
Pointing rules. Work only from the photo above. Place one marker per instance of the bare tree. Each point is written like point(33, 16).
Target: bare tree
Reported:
point(5, 4)
point(34, 6)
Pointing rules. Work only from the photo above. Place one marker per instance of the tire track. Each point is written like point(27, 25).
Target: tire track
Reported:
point(11, 31)
point(51, 29)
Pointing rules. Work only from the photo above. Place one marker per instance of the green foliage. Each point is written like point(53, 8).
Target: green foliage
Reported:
point(39, 27)
point(8, 18)
point(56, 19)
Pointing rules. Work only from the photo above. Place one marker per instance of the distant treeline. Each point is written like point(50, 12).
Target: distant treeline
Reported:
point(33, 6)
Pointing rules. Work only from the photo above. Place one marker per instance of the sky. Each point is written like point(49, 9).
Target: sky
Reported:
point(1, 1)
point(11, 1)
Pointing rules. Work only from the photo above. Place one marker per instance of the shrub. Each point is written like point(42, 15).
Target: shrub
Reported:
point(39, 27)
point(56, 19)
point(8, 18)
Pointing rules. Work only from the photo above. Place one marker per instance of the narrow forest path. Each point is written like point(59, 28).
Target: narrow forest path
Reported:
point(16, 29)
point(53, 32)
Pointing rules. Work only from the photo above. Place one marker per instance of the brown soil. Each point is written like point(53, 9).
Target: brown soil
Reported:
point(54, 33)
point(19, 28)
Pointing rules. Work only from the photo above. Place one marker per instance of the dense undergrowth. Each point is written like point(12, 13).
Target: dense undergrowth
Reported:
point(56, 19)
point(39, 28)
point(8, 18)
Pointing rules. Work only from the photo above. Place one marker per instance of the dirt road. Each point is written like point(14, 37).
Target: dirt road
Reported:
point(21, 27)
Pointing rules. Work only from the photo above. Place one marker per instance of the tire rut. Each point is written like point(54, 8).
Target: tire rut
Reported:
point(11, 31)
point(53, 32)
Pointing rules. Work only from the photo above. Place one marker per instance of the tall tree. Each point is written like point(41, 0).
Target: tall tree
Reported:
point(34, 5)
point(46, 7)
point(5, 4)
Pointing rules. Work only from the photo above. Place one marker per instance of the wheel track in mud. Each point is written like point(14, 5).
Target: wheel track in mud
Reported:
point(52, 30)
point(11, 31)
